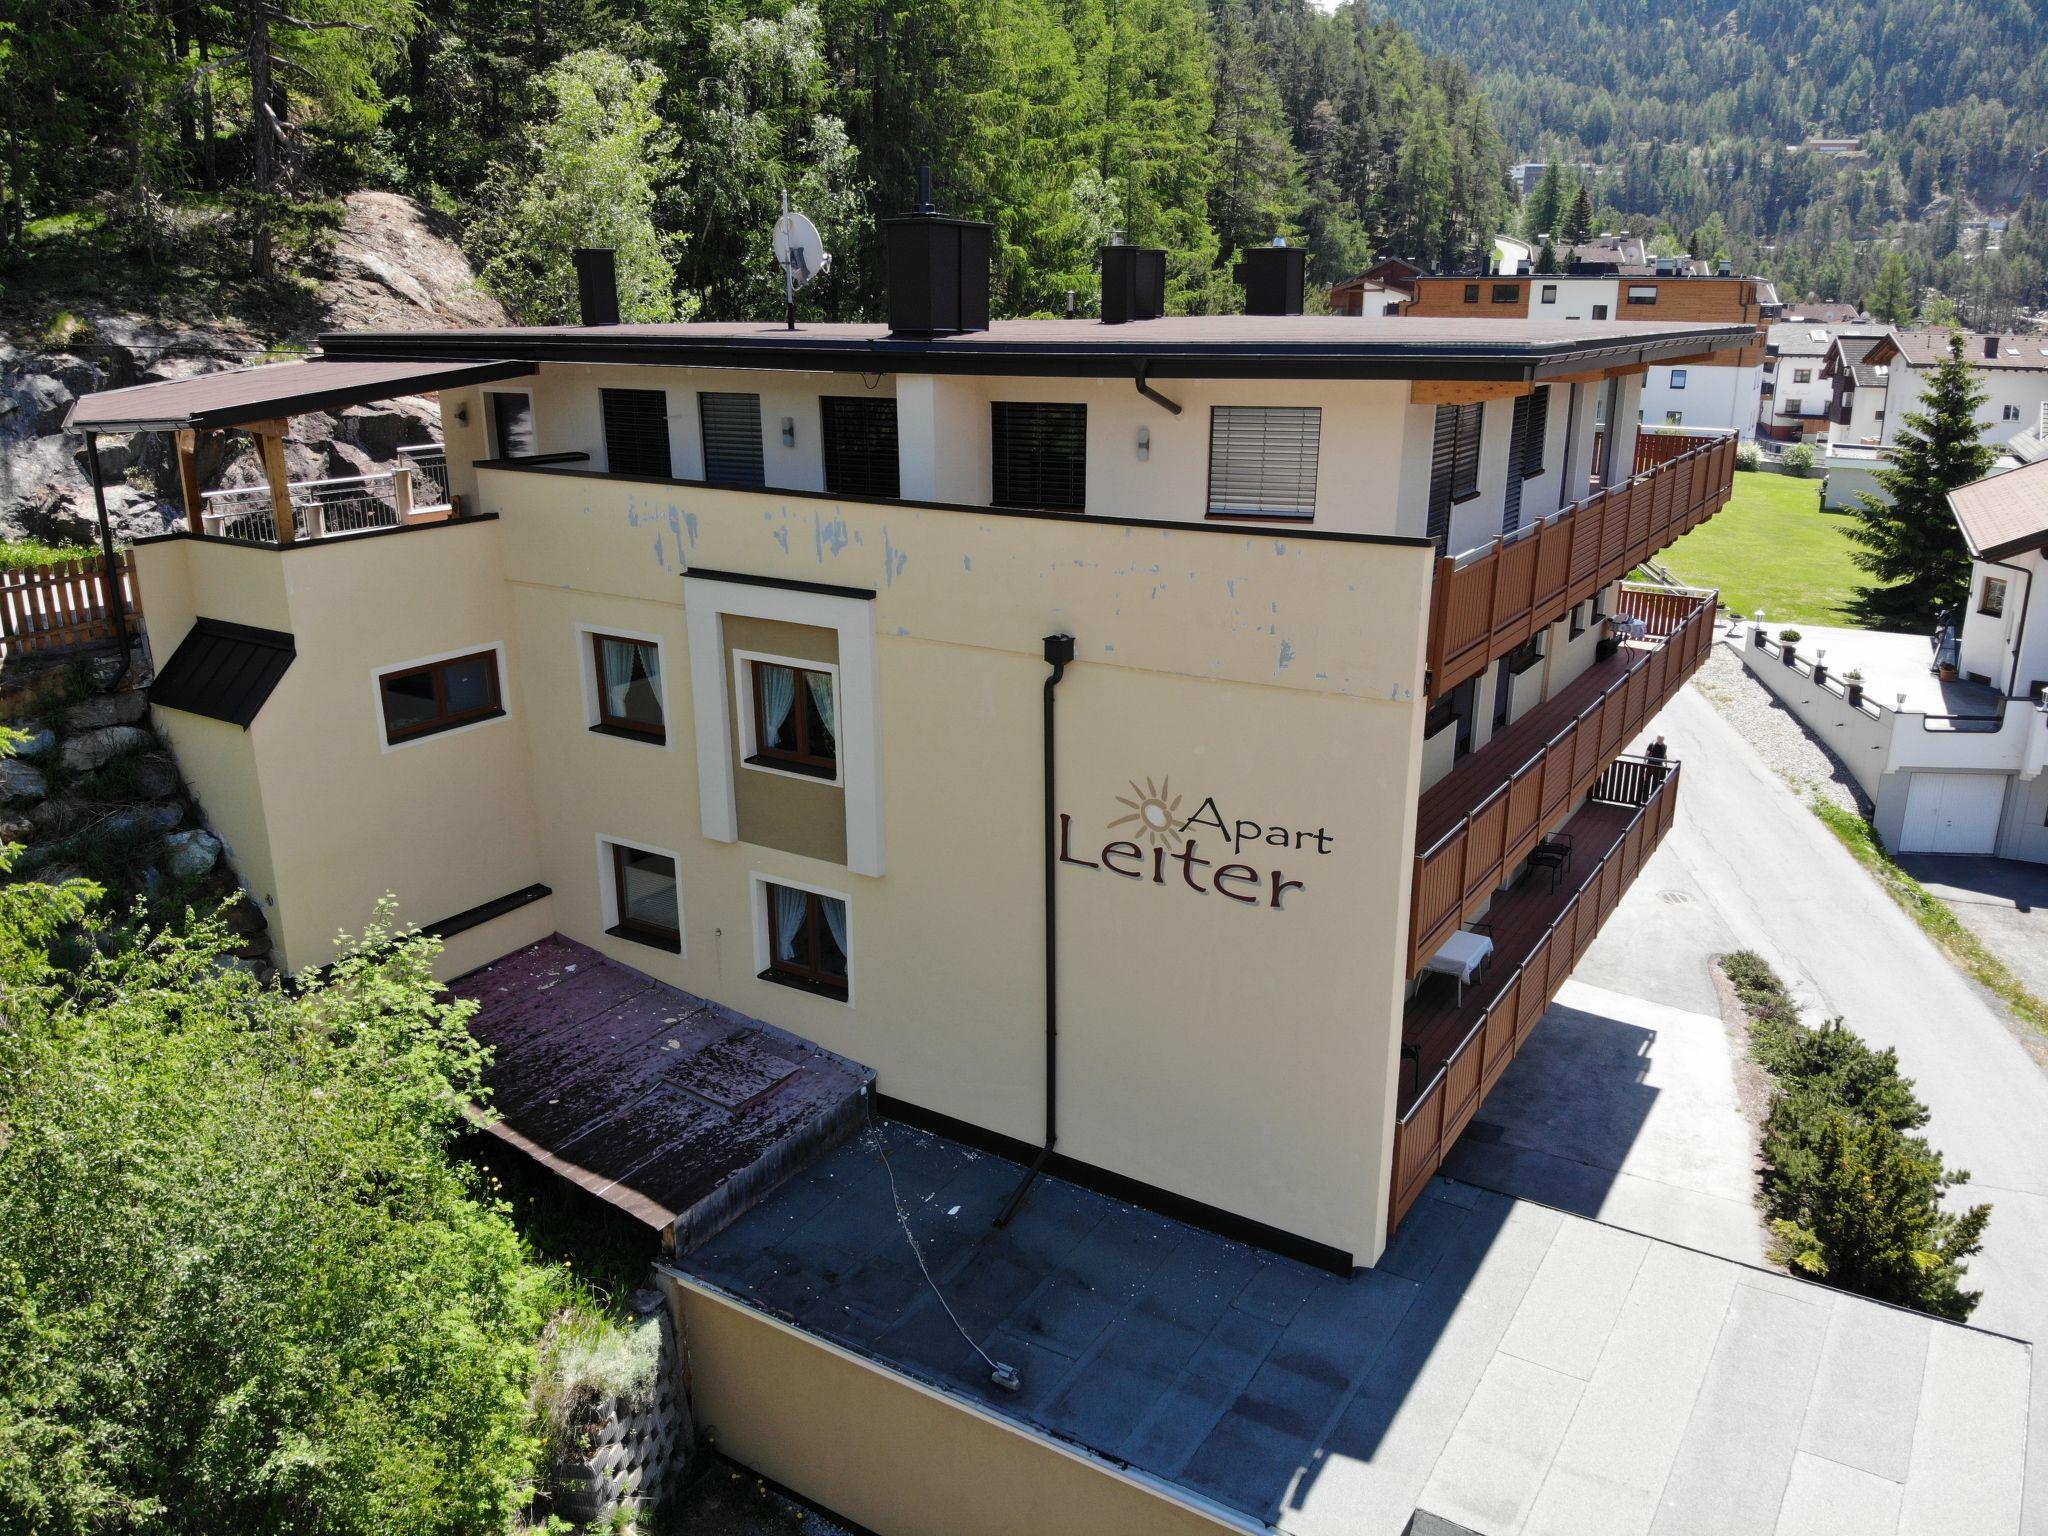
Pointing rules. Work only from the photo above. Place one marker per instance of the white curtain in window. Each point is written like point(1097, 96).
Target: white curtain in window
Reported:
point(619, 672)
point(820, 684)
point(778, 696)
point(789, 908)
point(835, 919)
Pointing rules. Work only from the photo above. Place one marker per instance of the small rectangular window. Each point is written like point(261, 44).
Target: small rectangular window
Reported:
point(1674, 418)
point(628, 687)
point(1471, 293)
point(635, 432)
point(1645, 293)
point(1262, 460)
point(2009, 413)
point(1507, 293)
point(860, 446)
point(646, 900)
point(1678, 378)
point(1039, 454)
point(732, 438)
point(1550, 293)
point(439, 696)
point(795, 718)
point(509, 415)
point(1599, 311)
point(1993, 600)
point(807, 939)
point(1802, 375)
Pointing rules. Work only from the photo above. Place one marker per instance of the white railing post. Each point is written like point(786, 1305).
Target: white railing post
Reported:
point(401, 492)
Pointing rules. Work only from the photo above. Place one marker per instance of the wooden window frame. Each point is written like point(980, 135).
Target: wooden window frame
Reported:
point(443, 720)
point(630, 929)
point(609, 724)
point(806, 973)
point(803, 764)
point(1984, 604)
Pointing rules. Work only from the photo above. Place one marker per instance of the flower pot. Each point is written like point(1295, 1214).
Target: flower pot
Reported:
point(1948, 674)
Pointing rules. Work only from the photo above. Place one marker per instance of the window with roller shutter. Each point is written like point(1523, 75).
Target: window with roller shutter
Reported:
point(635, 432)
point(1453, 466)
point(732, 438)
point(860, 445)
point(1262, 460)
point(1040, 454)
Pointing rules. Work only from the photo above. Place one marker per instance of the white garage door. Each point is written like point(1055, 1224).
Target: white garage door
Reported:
point(1952, 813)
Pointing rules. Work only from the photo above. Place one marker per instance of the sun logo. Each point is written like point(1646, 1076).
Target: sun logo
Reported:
point(1157, 816)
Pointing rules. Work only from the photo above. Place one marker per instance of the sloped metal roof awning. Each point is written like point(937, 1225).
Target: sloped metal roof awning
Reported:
point(2005, 514)
point(265, 393)
point(223, 670)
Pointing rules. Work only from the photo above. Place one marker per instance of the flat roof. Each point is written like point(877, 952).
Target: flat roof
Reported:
point(1506, 1366)
point(2005, 514)
point(1189, 346)
point(238, 396)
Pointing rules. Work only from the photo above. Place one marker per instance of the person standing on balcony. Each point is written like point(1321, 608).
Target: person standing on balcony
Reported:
point(1659, 756)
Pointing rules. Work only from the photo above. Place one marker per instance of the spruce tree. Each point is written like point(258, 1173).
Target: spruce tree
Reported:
point(1892, 299)
point(1546, 202)
point(1909, 539)
point(1546, 257)
point(1578, 218)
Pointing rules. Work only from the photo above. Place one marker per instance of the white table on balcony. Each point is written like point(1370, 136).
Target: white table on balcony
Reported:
point(1628, 627)
point(1463, 953)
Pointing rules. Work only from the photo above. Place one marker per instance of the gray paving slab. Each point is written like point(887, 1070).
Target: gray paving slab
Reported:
point(1866, 1394)
point(1826, 1498)
point(1570, 1307)
point(1612, 1465)
point(1730, 1474)
point(1492, 1467)
point(1970, 1444)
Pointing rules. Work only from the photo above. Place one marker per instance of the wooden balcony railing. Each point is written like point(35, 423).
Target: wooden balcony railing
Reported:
point(1660, 445)
point(1634, 800)
point(1488, 601)
point(1455, 876)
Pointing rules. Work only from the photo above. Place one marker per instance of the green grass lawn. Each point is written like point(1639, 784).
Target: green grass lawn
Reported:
point(1772, 548)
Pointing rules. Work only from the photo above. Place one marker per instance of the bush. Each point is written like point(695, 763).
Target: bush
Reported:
point(1799, 460)
point(1852, 1198)
point(1788, 636)
point(243, 1286)
point(1749, 457)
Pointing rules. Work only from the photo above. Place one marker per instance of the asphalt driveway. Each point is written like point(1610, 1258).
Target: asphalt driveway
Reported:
point(2002, 901)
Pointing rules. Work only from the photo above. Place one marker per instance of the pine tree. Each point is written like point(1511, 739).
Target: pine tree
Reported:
point(1545, 204)
point(1892, 299)
point(1908, 536)
point(1257, 193)
point(1546, 257)
point(1578, 218)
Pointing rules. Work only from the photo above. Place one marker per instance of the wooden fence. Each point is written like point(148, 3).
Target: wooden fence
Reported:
point(50, 609)
point(1455, 877)
point(1424, 1136)
point(1484, 604)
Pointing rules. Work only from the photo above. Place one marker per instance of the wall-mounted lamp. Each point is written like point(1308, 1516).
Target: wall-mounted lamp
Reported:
point(1144, 443)
point(789, 431)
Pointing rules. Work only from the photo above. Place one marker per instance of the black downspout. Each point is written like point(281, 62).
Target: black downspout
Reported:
point(110, 573)
point(1059, 650)
point(1145, 388)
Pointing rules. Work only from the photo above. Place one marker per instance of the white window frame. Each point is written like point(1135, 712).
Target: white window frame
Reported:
point(587, 668)
point(2009, 412)
point(758, 882)
point(743, 696)
point(380, 672)
point(707, 602)
point(608, 892)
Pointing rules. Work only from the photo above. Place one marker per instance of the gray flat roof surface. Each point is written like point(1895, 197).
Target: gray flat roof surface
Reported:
point(1506, 1367)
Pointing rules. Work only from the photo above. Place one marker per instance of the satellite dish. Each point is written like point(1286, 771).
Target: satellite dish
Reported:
point(801, 254)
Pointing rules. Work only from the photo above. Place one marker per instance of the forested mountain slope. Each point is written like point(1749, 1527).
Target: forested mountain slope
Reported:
point(225, 130)
point(1690, 112)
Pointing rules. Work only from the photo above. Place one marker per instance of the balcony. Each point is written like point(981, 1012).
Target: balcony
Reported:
point(1487, 601)
point(1478, 823)
point(413, 491)
point(1455, 1045)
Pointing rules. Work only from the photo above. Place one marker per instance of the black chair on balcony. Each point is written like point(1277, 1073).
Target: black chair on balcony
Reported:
point(1554, 853)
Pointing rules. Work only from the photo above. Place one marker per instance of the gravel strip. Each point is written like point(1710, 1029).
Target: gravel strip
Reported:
point(1790, 750)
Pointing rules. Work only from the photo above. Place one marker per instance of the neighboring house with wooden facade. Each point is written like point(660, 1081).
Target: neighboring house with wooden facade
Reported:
point(1716, 391)
point(1213, 684)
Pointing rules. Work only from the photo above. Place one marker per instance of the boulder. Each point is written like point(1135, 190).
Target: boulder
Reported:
point(157, 778)
point(378, 430)
point(188, 855)
point(16, 829)
point(20, 781)
point(118, 455)
point(39, 741)
point(57, 817)
point(143, 820)
point(97, 748)
point(58, 874)
point(42, 399)
point(346, 459)
point(107, 709)
point(245, 917)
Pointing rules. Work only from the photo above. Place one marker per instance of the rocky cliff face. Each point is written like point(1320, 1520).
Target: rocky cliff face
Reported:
point(392, 265)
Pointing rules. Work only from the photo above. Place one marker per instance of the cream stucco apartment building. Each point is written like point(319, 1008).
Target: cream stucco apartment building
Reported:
point(1185, 754)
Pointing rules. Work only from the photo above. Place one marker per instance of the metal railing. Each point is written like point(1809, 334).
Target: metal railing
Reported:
point(330, 508)
point(1431, 1125)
